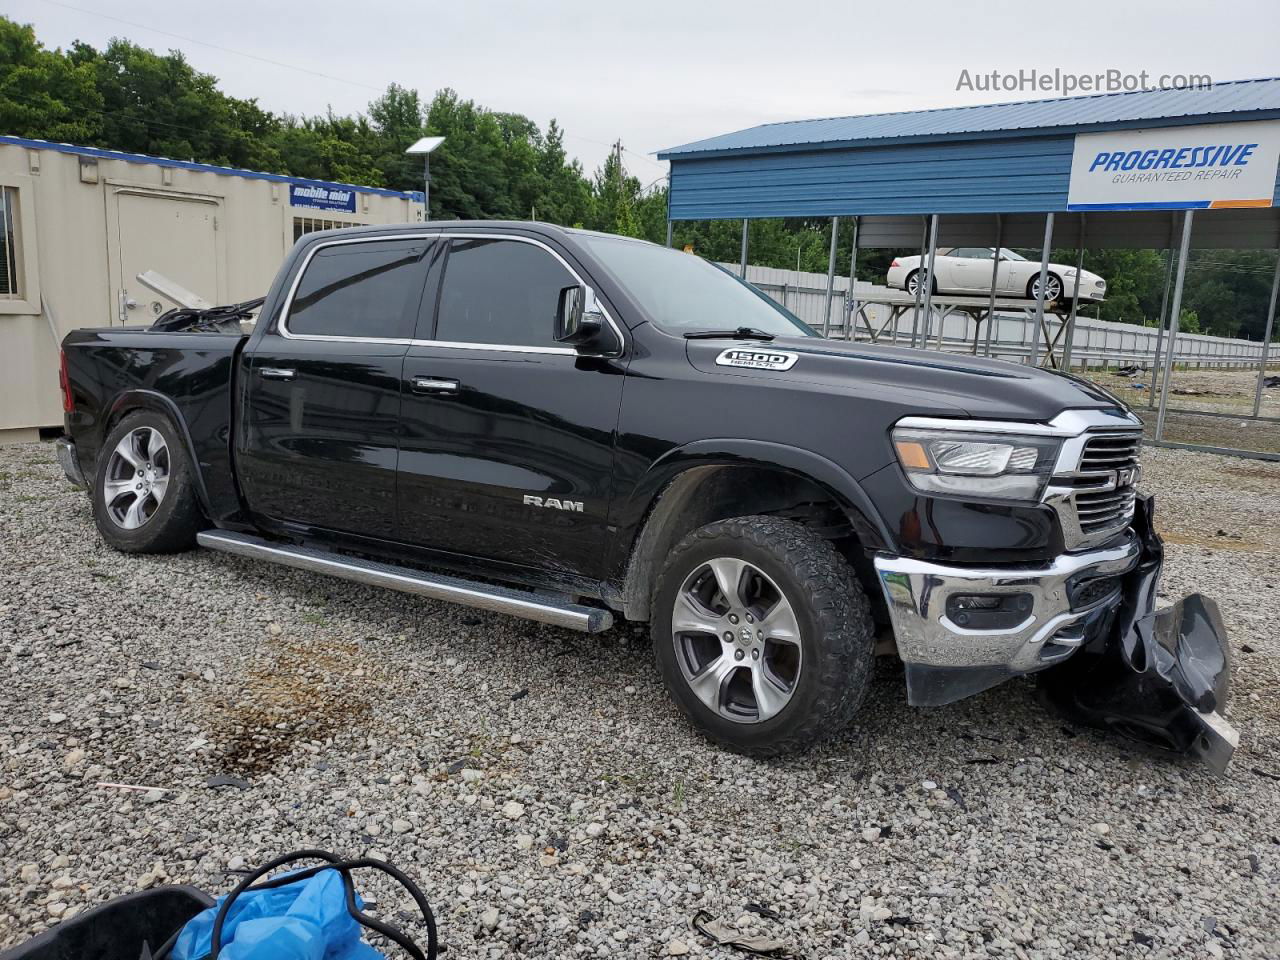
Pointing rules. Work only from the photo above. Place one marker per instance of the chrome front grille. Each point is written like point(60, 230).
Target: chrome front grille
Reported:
point(1094, 487)
point(1104, 510)
point(1104, 453)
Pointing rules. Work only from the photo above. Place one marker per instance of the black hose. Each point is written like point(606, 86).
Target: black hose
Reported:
point(344, 868)
point(224, 319)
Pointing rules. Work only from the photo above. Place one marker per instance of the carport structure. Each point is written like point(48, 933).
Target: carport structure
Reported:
point(1165, 169)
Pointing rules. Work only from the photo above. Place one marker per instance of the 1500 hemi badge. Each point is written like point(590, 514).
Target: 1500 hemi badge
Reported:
point(759, 359)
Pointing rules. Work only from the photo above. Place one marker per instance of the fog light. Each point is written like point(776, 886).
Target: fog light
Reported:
point(988, 611)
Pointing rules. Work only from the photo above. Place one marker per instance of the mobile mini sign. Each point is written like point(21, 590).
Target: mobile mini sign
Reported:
point(1176, 168)
point(317, 196)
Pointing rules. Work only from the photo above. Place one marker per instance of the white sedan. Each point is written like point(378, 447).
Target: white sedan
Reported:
point(967, 270)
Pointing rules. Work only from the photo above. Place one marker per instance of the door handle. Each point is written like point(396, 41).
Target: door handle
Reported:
point(276, 373)
point(433, 385)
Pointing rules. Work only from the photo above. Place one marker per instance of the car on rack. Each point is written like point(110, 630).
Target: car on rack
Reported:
point(578, 428)
point(968, 271)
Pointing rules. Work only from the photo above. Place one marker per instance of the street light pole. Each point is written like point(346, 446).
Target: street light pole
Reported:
point(424, 148)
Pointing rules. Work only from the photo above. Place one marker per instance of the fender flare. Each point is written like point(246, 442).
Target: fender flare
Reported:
point(143, 399)
point(643, 503)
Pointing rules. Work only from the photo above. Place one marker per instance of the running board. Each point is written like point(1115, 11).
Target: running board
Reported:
point(470, 593)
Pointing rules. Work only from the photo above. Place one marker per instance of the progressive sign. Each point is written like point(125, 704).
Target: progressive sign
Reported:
point(317, 196)
point(1176, 168)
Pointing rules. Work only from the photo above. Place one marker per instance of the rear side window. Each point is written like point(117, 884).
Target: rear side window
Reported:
point(501, 293)
point(370, 289)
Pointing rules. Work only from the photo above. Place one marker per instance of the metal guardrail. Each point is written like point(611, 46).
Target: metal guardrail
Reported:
point(1097, 344)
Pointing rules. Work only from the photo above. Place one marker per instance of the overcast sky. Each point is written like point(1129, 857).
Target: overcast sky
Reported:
point(657, 74)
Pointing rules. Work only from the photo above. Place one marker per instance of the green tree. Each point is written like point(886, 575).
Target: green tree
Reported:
point(43, 93)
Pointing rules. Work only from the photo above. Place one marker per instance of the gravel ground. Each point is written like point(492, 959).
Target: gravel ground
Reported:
point(542, 789)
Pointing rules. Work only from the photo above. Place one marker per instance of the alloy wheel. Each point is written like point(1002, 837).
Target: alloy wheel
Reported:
point(1052, 288)
point(137, 477)
point(737, 640)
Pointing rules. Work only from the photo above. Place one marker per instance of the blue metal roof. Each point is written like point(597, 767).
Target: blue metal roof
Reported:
point(1235, 100)
point(101, 154)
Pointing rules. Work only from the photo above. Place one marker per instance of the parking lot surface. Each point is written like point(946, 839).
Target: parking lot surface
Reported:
point(542, 789)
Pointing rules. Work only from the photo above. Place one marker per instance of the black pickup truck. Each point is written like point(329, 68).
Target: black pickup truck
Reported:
point(572, 427)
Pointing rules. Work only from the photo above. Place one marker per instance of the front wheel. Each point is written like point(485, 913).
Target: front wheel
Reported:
point(1052, 287)
point(763, 635)
point(144, 499)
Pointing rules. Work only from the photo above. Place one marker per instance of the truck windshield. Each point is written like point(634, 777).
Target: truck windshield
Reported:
point(684, 293)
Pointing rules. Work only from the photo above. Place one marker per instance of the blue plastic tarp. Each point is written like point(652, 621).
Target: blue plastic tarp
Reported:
point(303, 920)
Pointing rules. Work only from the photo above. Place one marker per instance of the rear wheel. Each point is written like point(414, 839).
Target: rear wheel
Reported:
point(913, 282)
point(763, 635)
point(144, 500)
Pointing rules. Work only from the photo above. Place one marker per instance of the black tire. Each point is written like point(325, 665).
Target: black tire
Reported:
point(837, 635)
point(1031, 286)
point(933, 283)
point(173, 522)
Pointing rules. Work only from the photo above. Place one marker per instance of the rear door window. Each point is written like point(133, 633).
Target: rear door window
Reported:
point(500, 293)
point(368, 289)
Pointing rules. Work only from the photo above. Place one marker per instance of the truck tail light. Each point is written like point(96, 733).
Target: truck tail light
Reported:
point(64, 381)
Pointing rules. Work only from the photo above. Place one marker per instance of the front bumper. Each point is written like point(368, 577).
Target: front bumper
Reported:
point(1109, 659)
point(65, 450)
point(946, 661)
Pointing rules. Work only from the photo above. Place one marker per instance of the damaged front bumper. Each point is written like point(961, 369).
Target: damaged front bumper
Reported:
point(1088, 621)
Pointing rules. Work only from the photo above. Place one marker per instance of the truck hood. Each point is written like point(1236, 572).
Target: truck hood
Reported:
point(934, 382)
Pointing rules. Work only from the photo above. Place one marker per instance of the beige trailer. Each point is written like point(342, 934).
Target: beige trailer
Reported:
point(78, 224)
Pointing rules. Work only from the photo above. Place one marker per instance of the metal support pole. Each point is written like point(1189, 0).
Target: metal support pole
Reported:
point(669, 226)
point(742, 272)
point(1044, 272)
point(831, 276)
point(426, 187)
point(852, 322)
point(1266, 338)
point(924, 248)
point(928, 289)
point(1075, 301)
point(995, 278)
point(1164, 315)
point(1174, 310)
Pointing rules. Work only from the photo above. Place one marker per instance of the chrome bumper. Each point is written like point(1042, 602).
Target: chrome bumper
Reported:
point(946, 661)
point(65, 450)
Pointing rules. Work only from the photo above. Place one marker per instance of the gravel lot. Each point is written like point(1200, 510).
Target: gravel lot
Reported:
point(545, 793)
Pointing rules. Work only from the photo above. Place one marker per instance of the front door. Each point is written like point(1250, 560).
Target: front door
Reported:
point(323, 386)
point(507, 436)
point(971, 269)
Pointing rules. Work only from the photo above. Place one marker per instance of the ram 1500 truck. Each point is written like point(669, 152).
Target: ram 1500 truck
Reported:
point(574, 427)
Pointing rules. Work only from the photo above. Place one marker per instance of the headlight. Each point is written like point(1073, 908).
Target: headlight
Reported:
point(999, 466)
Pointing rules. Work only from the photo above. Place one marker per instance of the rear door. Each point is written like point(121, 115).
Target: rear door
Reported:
point(507, 436)
point(323, 388)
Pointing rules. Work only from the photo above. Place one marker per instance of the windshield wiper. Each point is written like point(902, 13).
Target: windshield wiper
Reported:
point(741, 333)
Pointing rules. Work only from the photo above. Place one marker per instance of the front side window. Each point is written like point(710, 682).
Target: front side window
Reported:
point(683, 293)
point(501, 293)
point(367, 289)
point(973, 253)
point(10, 285)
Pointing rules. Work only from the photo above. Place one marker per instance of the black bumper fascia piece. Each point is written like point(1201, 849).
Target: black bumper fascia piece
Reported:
point(1160, 678)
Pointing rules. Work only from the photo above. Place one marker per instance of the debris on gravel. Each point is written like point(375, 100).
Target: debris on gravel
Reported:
point(273, 710)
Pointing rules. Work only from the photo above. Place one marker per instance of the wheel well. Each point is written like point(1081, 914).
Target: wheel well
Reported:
point(705, 494)
point(152, 403)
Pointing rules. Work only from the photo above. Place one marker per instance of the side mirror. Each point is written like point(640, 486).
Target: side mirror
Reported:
point(578, 318)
